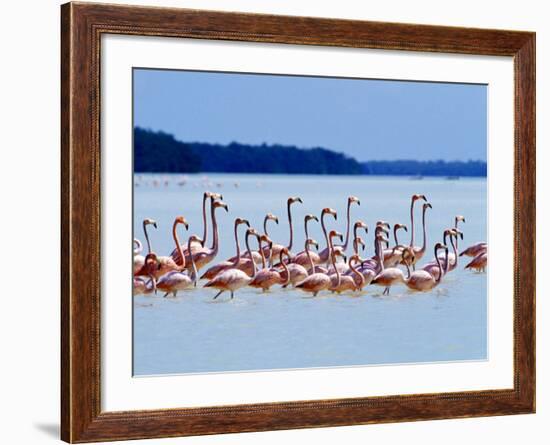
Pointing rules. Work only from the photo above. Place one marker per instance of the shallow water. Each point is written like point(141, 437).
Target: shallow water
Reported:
point(287, 328)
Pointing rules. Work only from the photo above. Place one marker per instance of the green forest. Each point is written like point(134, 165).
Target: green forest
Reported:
point(158, 152)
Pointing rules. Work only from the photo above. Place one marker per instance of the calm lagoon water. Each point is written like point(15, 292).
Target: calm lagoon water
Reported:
point(287, 328)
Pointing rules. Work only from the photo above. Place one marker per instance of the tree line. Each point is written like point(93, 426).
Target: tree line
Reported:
point(159, 152)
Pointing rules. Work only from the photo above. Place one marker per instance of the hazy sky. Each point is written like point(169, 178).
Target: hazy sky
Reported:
point(366, 119)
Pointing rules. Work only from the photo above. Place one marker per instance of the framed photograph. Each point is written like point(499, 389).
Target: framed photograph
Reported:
point(274, 222)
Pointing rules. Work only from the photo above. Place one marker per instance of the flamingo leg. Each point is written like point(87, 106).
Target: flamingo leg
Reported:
point(219, 293)
point(386, 291)
point(232, 295)
point(165, 295)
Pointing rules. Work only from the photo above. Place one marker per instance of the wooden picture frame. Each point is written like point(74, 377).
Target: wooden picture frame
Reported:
point(82, 26)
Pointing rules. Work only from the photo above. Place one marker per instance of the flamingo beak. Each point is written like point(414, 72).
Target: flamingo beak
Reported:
point(154, 223)
point(245, 221)
point(276, 219)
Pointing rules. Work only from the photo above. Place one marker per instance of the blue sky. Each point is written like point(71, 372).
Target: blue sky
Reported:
point(366, 119)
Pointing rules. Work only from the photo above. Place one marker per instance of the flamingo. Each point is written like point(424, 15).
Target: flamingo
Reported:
point(167, 263)
point(268, 276)
point(358, 277)
point(459, 218)
point(205, 255)
point(197, 246)
point(414, 198)
point(139, 259)
point(387, 277)
point(301, 258)
point(338, 282)
point(421, 280)
point(233, 279)
point(324, 255)
point(174, 281)
point(351, 200)
point(315, 282)
point(142, 286)
point(369, 269)
point(269, 217)
point(393, 256)
point(297, 272)
point(479, 263)
point(475, 250)
point(238, 261)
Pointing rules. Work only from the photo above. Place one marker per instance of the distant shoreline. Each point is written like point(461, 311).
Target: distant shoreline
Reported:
point(158, 152)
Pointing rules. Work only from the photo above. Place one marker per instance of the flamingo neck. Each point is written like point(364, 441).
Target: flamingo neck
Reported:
point(238, 257)
point(333, 260)
point(439, 266)
point(358, 274)
point(250, 256)
point(138, 248)
point(345, 246)
point(380, 255)
point(312, 270)
point(262, 253)
point(204, 223)
point(193, 265)
point(395, 229)
point(289, 247)
point(285, 282)
point(412, 223)
point(265, 226)
point(324, 229)
point(178, 246)
point(424, 229)
point(147, 238)
point(214, 247)
point(305, 227)
point(455, 248)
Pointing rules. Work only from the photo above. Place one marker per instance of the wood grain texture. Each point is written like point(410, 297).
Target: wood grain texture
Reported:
point(81, 28)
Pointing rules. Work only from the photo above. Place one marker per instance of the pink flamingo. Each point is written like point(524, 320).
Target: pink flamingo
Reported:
point(475, 250)
point(139, 259)
point(238, 261)
point(174, 281)
point(419, 251)
point(414, 198)
point(234, 279)
point(421, 280)
point(393, 256)
point(479, 263)
point(351, 200)
point(268, 276)
point(324, 255)
point(338, 282)
point(299, 273)
point(387, 277)
point(197, 246)
point(315, 282)
point(205, 255)
point(142, 286)
point(302, 258)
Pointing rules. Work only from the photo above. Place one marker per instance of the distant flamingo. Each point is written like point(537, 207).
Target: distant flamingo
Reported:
point(421, 280)
point(351, 200)
point(174, 281)
point(338, 282)
point(269, 217)
point(238, 261)
point(459, 218)
point(234, 279)
point(479, 263)
point(371, 268)
point(315, 282)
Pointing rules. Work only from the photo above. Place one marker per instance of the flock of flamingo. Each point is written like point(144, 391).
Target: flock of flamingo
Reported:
point(309, 270)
